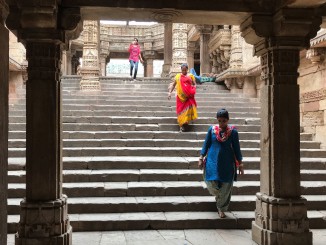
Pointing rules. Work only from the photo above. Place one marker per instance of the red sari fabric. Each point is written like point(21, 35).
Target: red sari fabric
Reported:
point(186, 103)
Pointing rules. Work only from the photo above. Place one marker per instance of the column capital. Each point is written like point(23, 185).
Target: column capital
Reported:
point(4, 11)
point(204, 29)
point(286, 28)
point(48, 22)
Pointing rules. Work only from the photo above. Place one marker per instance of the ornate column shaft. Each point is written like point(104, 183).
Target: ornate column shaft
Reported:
point(90, 70)
point(69, 62)
point(179, 47)
point(167, 49)
point(281, 212)
point(205, 67)
point(191, 54)
point(236, 48)
point(4, 97)
point(103, 65)
point(43, 216)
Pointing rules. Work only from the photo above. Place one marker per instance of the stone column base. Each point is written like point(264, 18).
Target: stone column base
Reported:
point(267, 237)
point(281, 221)
point(44, 223)
point(166, 70)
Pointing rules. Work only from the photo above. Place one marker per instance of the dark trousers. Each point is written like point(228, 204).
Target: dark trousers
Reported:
point(132, 65)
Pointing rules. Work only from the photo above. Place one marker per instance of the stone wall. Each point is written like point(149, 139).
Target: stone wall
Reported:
point(312, 83)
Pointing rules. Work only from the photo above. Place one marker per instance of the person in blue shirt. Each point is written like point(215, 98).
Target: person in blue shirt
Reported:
point(222, 154)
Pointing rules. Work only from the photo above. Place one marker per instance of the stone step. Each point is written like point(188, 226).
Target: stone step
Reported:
point(166, 220)
point(146, 135)
point(140, 120)
point(135, 127)
point(133, 107)
point(154, 151)
point(158, 188)
point(99, 113)
point(93, 205)
point(21, 143)
point(146, 162)
point(115, 175)
point(154, 103)
point(102, 99)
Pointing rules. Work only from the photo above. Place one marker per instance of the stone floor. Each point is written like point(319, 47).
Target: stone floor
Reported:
point(171, 237)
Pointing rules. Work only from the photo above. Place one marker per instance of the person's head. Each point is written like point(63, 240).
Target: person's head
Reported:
point(135, 41)
point(184, 69)
point(222, 117)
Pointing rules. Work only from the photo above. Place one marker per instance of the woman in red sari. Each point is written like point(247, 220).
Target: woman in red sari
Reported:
point(186, 103)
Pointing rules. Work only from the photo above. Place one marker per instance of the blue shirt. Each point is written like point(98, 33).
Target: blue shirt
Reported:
point(220, 162)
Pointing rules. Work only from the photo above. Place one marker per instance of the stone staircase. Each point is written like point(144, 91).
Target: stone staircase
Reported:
point(127, 167)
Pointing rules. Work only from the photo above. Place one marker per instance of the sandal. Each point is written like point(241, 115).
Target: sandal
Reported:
point(182, 129)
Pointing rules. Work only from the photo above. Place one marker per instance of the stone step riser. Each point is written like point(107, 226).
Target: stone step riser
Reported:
point(111, 177)
point(135, 127)
point(107, 99)
point(151, 143)
point(145, 135)
point(124, 165)
point(99, 191)
point(22, 113)
point(168, 151)
point(159, 224)
point(136, 120)
point(133, 107)
point(121, 207)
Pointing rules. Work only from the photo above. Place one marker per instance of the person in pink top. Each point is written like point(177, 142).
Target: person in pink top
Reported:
point(134, 57)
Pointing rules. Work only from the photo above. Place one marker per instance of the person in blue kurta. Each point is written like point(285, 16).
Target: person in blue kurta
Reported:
point(222, 154)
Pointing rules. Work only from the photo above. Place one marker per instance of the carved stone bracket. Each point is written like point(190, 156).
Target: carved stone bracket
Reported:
point(315, 55)
point(229, 82)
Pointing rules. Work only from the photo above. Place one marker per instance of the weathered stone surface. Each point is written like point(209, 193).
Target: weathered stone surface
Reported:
point(4, 89)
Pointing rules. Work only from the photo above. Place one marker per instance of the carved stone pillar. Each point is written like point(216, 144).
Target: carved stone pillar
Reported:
point(103, 65)
point(149, 68)
point(179, 47)
point(90, 70)
point(149, 56)
point(69, 63)
point(4, 97)
point(43, 215)
point(236, 48)
point(281, 212)
point(167, 49)
point(191, 54)
point(204, 52)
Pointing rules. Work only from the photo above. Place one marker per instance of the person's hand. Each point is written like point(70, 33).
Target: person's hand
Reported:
point(169, 95)
point(200, 163)
point(241, 169)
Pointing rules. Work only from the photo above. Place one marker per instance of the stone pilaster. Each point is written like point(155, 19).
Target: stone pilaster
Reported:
point(179, 47)
point(205, 34)
point(167, 49)
point(43, 216)
point(103, 65)
point(281, 212)
point(4, 97)
point(191, 54)
point(236, 48)
point(90, 70)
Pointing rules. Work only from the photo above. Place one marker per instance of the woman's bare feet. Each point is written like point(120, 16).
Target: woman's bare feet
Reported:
point(221, 214)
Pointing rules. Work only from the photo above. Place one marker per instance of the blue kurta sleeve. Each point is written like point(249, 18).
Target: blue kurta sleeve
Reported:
point(236, 145)
point(207, 143)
